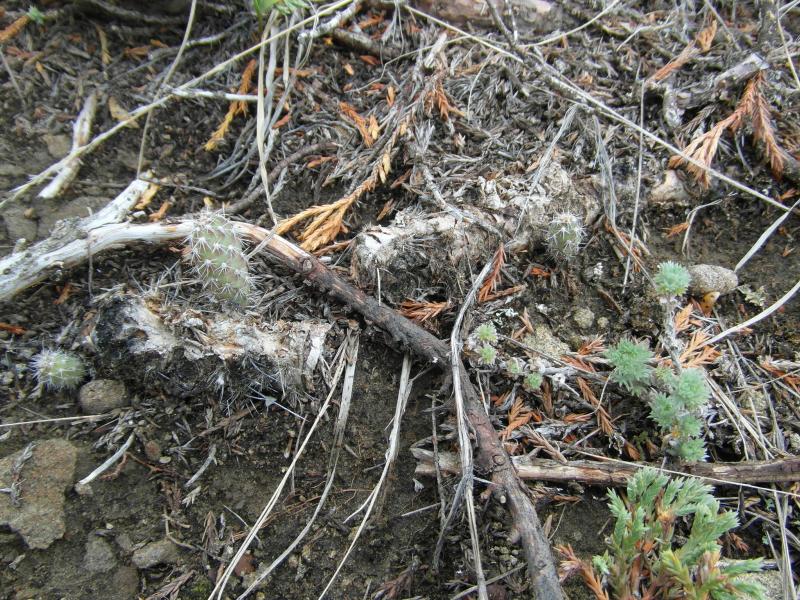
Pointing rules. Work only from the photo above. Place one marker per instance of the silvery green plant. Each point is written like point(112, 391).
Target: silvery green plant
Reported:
point(58, 369)
point(671, 281)
point(564, 236)
point(676, 413)
point(215, 251)
point(645, 557)
point(676, 410)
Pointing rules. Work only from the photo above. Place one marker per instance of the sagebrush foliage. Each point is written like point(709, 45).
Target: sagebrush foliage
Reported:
point(645, 557)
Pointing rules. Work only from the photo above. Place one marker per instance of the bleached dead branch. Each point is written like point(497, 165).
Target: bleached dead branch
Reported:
point(81, 130)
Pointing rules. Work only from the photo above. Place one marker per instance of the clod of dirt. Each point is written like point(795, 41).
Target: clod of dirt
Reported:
point(671, 191)
point(44, 477)
point(583, 317)
point(712, 278)
point(99, 557)
point(124, 583)
point(543, 340)
point(187, 352)
point(58, 145)
point(102, 395)
point(156, 553)
point(419, 251)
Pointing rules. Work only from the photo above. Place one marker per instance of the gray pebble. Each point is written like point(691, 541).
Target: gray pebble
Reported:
point(156, 553)
point(99, 557)
point(583, 317)
point(712, 278)
point(102, 396)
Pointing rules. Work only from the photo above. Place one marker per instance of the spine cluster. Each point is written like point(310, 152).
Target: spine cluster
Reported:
point(216, 252)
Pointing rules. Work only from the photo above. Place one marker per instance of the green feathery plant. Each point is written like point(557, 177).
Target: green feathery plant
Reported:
point(645, 558)
point(488, 354)
point(676, 411)
point(630, 361)
point(671, 280)
point(35, 15)
point(533, 381)
point(486, 333)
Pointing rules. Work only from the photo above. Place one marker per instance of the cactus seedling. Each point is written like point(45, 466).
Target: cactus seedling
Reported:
point(58, 369)
point(564, 237)
point(216, 253)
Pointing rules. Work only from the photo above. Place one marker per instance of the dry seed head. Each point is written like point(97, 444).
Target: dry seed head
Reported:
point(216, 252)
point(564, 237)
point(58, 369)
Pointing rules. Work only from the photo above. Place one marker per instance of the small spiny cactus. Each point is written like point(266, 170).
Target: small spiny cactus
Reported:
point(217, 255)
point(564, 237)
point(58, 369)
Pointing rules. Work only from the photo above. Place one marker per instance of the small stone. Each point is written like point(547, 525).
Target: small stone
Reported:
point(770, 580)
point(102, 396)
point(156, 553)
point(57, 145)
point(124, 584)
point(152, 450)
point(29, 213)
point(602, 323)
point(670, 191)
point(99, 557)
point(124, 542)
point(712, 278)
point(583, 317)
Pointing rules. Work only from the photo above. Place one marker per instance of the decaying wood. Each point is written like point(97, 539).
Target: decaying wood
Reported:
point(617, 473)
point(491, 454)
point(33, 265)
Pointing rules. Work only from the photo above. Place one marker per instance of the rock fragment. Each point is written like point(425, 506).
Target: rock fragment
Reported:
point(156, 553)
point(99, 557)
point(712, 278)
point(39, 517)
point(102, 396)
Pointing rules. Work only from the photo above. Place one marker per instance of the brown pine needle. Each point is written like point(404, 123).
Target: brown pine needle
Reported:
point(490, 283)
point(237, 107)
point(762, 127)
point(13, 30)
point(572, 565)
point(369, 130)
point(701, 44)
point(753, 104)
point(422, 312)
point(327, 221)
point(518, 415)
